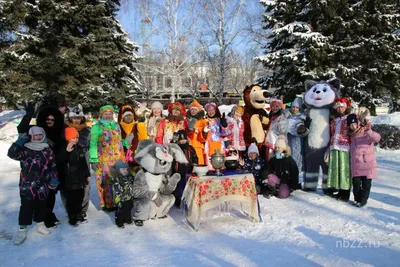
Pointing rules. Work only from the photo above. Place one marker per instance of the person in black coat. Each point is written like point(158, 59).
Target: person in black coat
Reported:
point(281, 172)
point(74, 176)
point(183, 169)
point(77, 120)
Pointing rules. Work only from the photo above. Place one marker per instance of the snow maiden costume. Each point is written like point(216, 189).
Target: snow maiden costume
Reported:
point(236, 129)
point(105, 149)
point(296, 119)
point(319, 98)
point(152, 187)
point(339, 176)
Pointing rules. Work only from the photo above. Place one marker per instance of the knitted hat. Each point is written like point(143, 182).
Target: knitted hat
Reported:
point(156, 105)
point(35, 130)
point(127, 112)
point(252, 148)
point(298, 102)
point(120, 165)
point(352, 118)
point(196, 104)
point(342, 102)
point(106, 108)
point(71, 133)
point(281, 142)
point(75, 111)
point(182, 135)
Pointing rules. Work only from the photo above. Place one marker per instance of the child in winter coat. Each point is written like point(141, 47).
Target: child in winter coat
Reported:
point(253, 164)
point(123, 192)
point(183, 169)
point(363, 158)
point(38, 176)
point(282, 172)
point(75, 175)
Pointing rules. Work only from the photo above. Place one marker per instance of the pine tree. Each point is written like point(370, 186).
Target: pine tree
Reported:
point(367, 50)
point(355, 41)
point(73, 51)
point(295, 50)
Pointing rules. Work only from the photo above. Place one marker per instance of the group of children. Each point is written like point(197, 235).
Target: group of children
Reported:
point(278, 177)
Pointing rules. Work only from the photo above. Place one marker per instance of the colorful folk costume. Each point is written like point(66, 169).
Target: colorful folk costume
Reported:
point(196, 113)
point(105, 149)
point(175, 122)
point(211, 131)
point(236, 129)
point(319, 98)
point(129, 134)
point(297, 131)
point(339, 174)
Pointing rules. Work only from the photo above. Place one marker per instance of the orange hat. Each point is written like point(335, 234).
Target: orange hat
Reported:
point(196, 104)
point(71, 133)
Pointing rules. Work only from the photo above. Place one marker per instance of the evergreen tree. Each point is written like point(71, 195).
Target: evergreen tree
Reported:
point(73, 51)
point(355, 41)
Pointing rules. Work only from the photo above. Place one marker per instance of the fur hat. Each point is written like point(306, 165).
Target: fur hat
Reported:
point(75, 111)
point(342, 102)
point(298, 102)
point(127, 112)
point(196, 104)
point(282, 143)
point(178, 106)
point(252, 148)
point(156, 105)
point(35, 130)
point(275, 100)
point(120, 165)
point(352, 118)
point(71, 133)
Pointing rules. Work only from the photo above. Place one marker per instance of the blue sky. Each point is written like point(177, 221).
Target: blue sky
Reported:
point(130, 20)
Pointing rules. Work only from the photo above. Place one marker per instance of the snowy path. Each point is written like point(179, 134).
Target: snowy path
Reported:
point(308, 229)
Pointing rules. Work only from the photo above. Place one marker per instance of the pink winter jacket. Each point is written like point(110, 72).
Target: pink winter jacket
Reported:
point(363, 159)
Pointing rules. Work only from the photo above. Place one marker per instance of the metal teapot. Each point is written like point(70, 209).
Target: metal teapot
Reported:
point(217, 161)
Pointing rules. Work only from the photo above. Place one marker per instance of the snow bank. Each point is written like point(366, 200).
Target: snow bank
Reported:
point(9, 120)
point(391, 119)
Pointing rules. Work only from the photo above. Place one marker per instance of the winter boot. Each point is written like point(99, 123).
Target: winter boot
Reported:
point(41, 229)
point(138, 222)
point(21, 236)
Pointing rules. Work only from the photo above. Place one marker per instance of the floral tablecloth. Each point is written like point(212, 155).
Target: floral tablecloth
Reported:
point(207, 192)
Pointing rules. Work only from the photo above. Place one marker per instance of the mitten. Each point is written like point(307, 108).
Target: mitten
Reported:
point(94, 166)
point(174, 179)
point(53, 183)
point(191, 124)
point(129, 138)
point(23, 139)
point(224, 123)
point(206, 129)
point(29, 108)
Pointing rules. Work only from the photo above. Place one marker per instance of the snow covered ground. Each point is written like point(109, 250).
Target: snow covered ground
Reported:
point(308, 229)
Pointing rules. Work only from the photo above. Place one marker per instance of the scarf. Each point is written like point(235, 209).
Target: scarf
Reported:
point(127, 127)
point(295, 113)
point(79, 127)
point(36, 146)
point(108, 124)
